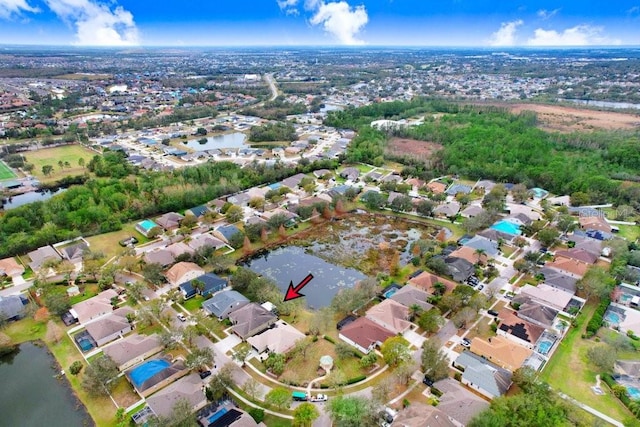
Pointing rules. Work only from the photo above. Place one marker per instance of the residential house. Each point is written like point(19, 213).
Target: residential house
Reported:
point(392, 196)
point(240, 199)
point(436, 187)
point(488, 246)
point(517, 208)
point(205, 241)
point(470, 254)
point(75, 251)
point(12, 307)
point(420, 415)
point(162, 257)
point(571, 267)
point(198, 211)
point(180, 248)
point(519, 330)
point(364, 334)
point(390, 315)
point(293, 181)
point(472, 211)
point(281, 338)
point(483, 376)
point(133, 349)
point(217, 204)
point(485, 185)
point(548, 295)
point(42, 255)
point(578, 254)
point(447, 210)
point(458, 403)
point(111, 326)
point(520, 219)
point(183, 272)
point(350, 174)
point(426, 281)
point(585, 242)
point(94, 307)
point(558, 279)
point(392, 177)
point(159, 378)
point(10, 268)
point(212, 284)
point(455, 189)
point(501, 351)
point(250, 320)
point(409, 296)
point(222, 304)
point(495, 235)
point(169, 221)
point(535, 312)
point(226, 232)
point(321, 173)
point(460, 269)
point(188, 388)
point(596, 222)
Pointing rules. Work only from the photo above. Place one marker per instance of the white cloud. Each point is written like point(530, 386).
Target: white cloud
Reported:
point(547, 14)
point(506, 35)
point(96, 23)
point(339, 19)
point(12, 8)
point(635, 10)
point(288, 6)
point(580, 35)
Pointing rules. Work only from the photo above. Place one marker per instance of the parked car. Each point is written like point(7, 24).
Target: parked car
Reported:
point(204, 374)
point(318, 398)
point(466, 342)
point(492, 312)
point(427, 381)
point(181, 317)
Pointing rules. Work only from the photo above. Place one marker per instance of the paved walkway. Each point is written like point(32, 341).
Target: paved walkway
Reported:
point(592, 411)
point(266, 411)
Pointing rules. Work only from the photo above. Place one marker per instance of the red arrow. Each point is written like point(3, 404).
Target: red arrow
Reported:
point(293, 293)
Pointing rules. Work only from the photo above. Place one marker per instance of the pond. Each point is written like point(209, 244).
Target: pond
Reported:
point(228, 140)
point(293, 264)
point(32, 196)
point(31, 395)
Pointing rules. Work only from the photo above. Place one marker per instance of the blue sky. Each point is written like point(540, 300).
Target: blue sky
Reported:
point(320, 22)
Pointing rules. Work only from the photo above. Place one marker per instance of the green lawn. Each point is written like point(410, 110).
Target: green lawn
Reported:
point(571, 357)
point(194, 304)
point(52, 156)
point(629, 232)
point(90, 290)
point(107, 243)
point(6, 172)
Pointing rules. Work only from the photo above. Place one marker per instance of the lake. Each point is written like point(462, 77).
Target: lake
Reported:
point(30, 394)
point(32, 196)
point(293, 264)
point(604, 104)
point(228, 140)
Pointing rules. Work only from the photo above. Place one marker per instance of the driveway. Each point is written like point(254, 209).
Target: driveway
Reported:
point(414, 338)
point(228, 343)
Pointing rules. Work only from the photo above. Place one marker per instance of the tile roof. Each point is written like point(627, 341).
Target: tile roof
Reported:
point(390, 315)
point(365, 332)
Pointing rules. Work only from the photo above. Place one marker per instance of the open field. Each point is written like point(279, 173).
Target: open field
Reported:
point(414, 148)
point(572, 355)
point(107, 243)
point(567, 119)
point(52, 157)
point(6, 172)
point(83, 76)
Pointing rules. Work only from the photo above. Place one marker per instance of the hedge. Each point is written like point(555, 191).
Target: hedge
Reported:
point(597, 319)
point(355, 379)
point(328, 338)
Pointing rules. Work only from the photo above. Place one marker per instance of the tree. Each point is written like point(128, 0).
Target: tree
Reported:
point(566, 223)
point(519, 193)
point(99, 375)
point(395, 350)
point(219, 383)
point(351, 411)
point(402, 204)
point(305, 414)
point(547, 236)
point(437, 265)
point(57, 304)
point(251, 387)
point(373, 200)
point(276, 363)
point(321, 321)
point(430, 320)
point(596, 283)
point(241, 354)
point(81, 162)
point(153, 273)
point(602, 356)
point(368, 360)
point(134, 291)
point(181, 415)
point(234, 214)
point(425, 208)
point(435, 364)
point(200, 358)
point(54, 332)
point(404, 371)
point(464, 317)
point(343, 350)
point(47, 169)
point(279, 397)
point(381, 392)
point(76, 367)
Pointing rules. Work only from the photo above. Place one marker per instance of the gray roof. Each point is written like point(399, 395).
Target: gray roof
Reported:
point(132, 347)
point(163, 257)
point(536, 313)
point(251, 319)
point(484, 374)
point(460, 269)
point(74, 251)
point(223, 303)
point(409, 295)
point(40, 255)
point(458, 402)
point(458, 188)
point(558, 280)
point(189, 388)
point(495, 235)
point(490, 247)
point(11, 307)
point(420, 415)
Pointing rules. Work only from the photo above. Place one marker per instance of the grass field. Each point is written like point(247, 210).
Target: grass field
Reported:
point(107, 243)
point(571, 356)
point(6, 172)
point(52, 157)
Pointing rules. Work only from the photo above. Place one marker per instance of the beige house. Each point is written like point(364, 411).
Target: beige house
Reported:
point(390, 315)
point(111, 326)
point(133, 349)
point(183, 272)
point(189, 388)
point(250, 320)
point(501, 351)
point(94, 307)
point(279, 339)
point(10, 268)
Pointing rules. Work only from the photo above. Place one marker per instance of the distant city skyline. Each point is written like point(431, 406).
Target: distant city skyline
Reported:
point(447, 23)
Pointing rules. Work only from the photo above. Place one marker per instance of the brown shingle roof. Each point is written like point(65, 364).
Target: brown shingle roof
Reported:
point(365, 332)
point(390, 315)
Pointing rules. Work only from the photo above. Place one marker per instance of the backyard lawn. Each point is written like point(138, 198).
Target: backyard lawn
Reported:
point(107, 243)
point(89, 291)
point(571, 354)
point(6, 172)
point(52, 156)
point(193, 304)
point(629, 232)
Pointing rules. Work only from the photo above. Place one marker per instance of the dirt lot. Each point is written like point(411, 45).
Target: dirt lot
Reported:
point(414, 148)
point(566, 119)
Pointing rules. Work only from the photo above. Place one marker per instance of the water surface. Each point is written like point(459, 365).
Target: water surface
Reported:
point(228, 140)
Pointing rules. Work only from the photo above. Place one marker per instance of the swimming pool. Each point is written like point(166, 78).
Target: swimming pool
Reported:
point(612, 317)
point(147, 370)
point(85, 344)
point(634, 393)
point(147, 225)
point(390, 292)
point(213, 418)
point(626, 298)
point(507, 227)
point(544, 347)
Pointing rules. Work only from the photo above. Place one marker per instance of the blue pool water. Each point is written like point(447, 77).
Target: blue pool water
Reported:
point(544, 347)
point(390, 292)
point(213, 418)
point(85, 344)
point(612, 317)
point(147, 370)
point(507, 227)
point(626, 297)
point(634, 393)
point(147, 225)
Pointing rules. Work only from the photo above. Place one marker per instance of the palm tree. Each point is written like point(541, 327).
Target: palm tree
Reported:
point(414, 311)
point(198, 285)
point(479, 253)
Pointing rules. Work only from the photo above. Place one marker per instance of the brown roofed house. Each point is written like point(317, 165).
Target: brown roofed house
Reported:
point(364, 334)
point(436, 187)
point(579, 255)
point(169, 221)
point(390, 315)
point(426, 281)
point(570, 266)
point(110, 327)
point(594, 223)
point(501, 351)
point(458, 403)
point(10, 268)
point(133, 349)
point(183, 272)
point(470, 254)
point(188, 388)
point(420, 415)
point(519, 330)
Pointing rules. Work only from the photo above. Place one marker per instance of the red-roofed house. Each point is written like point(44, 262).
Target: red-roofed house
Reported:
point(364, 334)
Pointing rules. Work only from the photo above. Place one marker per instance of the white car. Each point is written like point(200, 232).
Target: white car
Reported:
point(181, 317)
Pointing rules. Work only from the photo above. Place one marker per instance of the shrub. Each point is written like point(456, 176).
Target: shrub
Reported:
point(76, 367)
point(597, 319)
point(355, 380)
point(436, 392)
point(328, 338)
point(257, 414)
